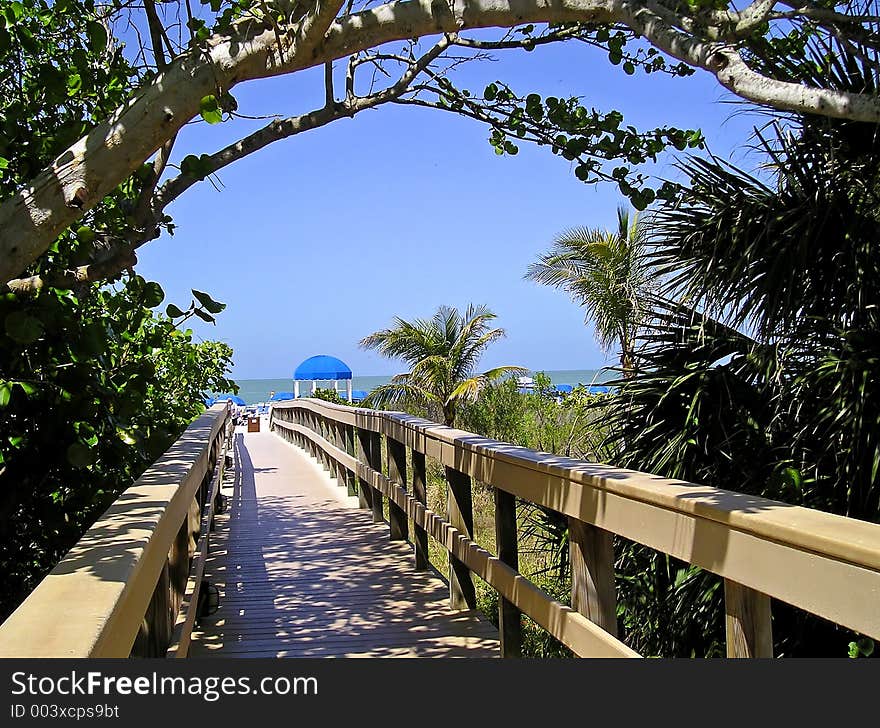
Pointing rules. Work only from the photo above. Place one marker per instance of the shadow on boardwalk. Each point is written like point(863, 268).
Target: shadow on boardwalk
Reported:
point(302, 573)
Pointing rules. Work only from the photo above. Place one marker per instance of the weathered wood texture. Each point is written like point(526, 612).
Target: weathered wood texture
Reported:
point(819, 562)
point(509, 618)
point(420, 493)
point(592, 574)
point(574, 630)
point(118, 590)
point(749, 632)
point(396, 453)
point(460, 514)
point(303, 573)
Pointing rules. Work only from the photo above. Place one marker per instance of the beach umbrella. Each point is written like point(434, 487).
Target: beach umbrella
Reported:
point(598, 389)
point(279, 396)
point(564, 388)
point(231, 398)
point(358, 395)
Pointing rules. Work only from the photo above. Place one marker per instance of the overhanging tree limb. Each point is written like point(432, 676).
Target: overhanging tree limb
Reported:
point(81, 176)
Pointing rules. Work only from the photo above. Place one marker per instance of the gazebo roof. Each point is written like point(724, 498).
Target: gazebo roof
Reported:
point(322, 367)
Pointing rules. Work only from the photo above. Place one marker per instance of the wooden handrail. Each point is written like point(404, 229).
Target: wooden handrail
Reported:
point(120, 585)
point(825, 564)
point(186, 617)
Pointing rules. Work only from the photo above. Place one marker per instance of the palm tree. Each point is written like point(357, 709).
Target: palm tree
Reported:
point(606, 273)
point(442, 354)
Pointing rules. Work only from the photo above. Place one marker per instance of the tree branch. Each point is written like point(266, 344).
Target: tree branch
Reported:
point(106, 269)
point(92, 167)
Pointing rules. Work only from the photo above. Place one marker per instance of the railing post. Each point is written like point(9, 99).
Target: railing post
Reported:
point(397, 520)
point(592, 574)
point(365, 490)
point(376, 464)
point(332, 438)
point(749, 630)
point(509, 620)
point(420, 493)
point(460, 513)
point(350, 482)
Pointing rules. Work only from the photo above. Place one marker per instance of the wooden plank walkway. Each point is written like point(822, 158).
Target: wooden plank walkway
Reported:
point(303, 573)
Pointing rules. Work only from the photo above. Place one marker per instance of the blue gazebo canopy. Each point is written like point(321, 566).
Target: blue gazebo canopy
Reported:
point(322, 367)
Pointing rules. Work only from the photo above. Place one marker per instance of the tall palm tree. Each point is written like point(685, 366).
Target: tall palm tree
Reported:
point(605, 272)
point(442, 354)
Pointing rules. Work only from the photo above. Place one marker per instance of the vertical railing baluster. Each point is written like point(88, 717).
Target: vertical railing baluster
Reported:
point(397, 520)
point(376, 464)
point(420, 493)
point(350, 479)
point(509, 619)
point(365, 490)
point(748, 622)
point(331, 437)
point(592, 574)
point(460, 513)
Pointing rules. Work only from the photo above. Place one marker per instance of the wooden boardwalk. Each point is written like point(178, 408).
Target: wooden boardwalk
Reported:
point(303, 573)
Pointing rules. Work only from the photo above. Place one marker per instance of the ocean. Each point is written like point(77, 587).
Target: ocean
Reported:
point(257, 390)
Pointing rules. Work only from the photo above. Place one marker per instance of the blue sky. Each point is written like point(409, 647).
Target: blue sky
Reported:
point(323, 238)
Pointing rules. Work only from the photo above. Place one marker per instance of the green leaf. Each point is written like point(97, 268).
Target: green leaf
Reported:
point(85, 235)
point(153, 294)
point(14, 12)
point(80, 456)
point(5, 392)
point(125, 436)
point(208, 303)
point(97, 36)
point(23, 329)
point(210, 110)
point(173, 311)
point(204, 316)
point(27, 388)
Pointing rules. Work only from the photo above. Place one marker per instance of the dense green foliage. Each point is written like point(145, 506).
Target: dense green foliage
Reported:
point(94, 385)
point(759, 371)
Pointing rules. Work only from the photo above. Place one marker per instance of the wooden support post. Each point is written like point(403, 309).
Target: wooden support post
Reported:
point(460, 513)
point(365, 491)
point(376, 464)
point(420, 493)
point(322, 431)
point(509, 620)
point(350, 480)
point(592, 574)
point(749, 630)
point(335, 468)
point(397, 520)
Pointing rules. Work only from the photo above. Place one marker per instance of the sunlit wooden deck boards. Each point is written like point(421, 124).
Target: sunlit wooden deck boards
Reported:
point(303, 573)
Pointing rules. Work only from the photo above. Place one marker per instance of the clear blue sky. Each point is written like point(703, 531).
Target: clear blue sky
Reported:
point(323, 238)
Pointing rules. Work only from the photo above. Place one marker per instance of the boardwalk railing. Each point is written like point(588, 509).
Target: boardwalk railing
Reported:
point(127, 587)
point(825, 564)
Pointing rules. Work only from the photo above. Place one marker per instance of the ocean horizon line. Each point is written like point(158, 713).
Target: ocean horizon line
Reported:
point(254, 390)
